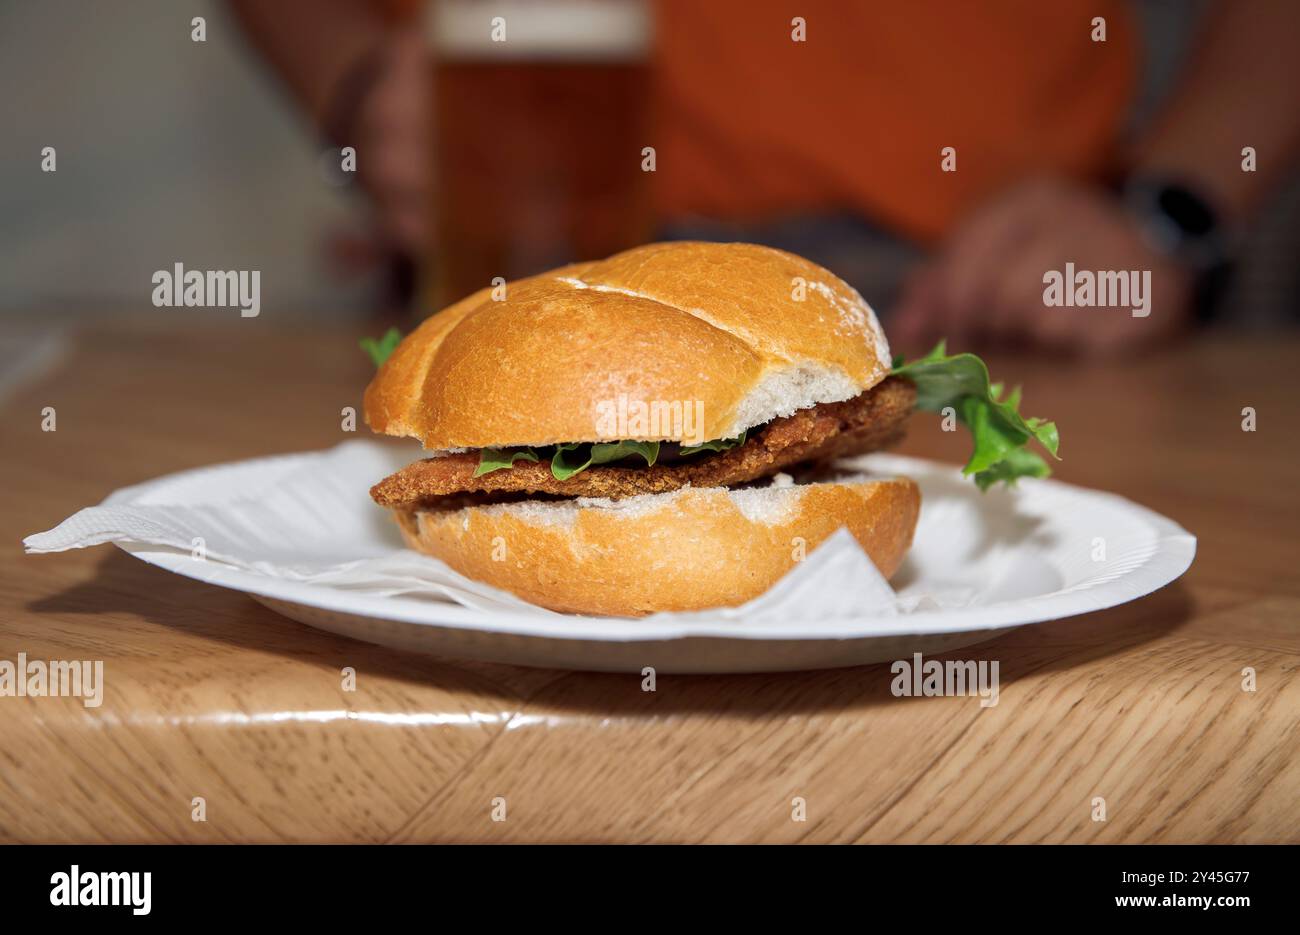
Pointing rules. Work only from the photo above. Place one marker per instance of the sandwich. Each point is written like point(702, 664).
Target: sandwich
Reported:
point(670, 429)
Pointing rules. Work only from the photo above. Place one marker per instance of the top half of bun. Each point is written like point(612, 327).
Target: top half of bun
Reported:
point(741, 333)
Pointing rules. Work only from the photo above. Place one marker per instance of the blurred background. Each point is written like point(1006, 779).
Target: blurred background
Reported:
point(587, 127)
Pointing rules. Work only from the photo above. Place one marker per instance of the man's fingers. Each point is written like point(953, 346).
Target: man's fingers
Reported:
point(1016, 302)
point(394, 171)
point(916, 320)
point(979, 252)
point(407, 225)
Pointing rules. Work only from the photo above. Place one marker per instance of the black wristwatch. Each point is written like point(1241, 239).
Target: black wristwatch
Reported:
point(1178, 221)
point(1181, 224)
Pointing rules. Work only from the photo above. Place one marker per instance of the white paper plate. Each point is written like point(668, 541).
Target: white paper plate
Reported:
point(1044, 551)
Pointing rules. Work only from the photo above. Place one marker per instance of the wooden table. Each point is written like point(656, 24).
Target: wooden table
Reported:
point(210, 695)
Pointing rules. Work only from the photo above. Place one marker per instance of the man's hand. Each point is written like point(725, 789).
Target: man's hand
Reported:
point(390, 130)
point(986, 283)
point(365, 84)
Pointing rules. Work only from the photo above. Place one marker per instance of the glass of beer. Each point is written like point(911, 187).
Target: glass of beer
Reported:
point(540, 120)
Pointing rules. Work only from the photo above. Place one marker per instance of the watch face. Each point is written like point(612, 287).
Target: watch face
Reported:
point(1192, 216)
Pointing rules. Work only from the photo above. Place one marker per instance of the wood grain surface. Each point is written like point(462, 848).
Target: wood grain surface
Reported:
point(210, 695)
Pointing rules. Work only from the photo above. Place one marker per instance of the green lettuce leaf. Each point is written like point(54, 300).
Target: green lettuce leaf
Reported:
point(718, 444)
point(379, 350)
point(494, 459)
point(568, 459)
point(999, 431)
point(572, 458)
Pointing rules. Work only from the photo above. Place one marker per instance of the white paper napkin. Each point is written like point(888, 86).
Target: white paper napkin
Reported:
point(309, 518)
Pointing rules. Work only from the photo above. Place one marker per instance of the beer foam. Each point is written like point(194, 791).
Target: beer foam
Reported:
point(558, 30)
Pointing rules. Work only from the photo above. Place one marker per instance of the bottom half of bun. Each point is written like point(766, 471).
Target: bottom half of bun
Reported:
point(690, 549)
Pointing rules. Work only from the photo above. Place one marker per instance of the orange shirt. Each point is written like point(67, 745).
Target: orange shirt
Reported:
point(752, 125)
